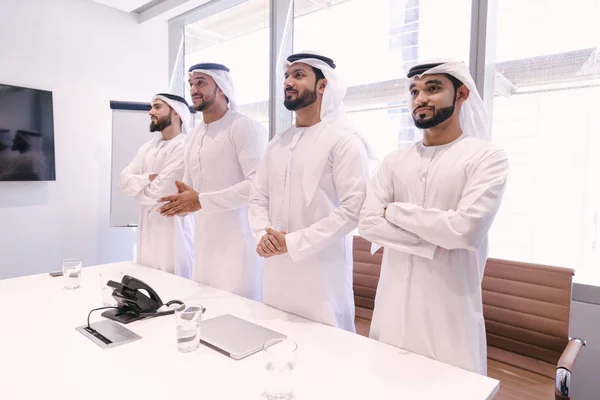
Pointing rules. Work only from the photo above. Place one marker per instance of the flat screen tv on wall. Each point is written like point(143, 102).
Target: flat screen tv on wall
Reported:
point(26, 134)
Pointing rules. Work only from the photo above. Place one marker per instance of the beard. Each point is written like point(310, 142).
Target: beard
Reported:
point(439, 116)
point(160, 124)
point(207, 102)
point(307, 98)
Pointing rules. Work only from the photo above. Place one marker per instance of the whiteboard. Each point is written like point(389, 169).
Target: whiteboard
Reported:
point(130, 130)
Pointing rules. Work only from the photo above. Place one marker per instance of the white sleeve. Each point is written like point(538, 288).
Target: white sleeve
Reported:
point(187, 173)
point(468, 225)
point(250, 139)
point(258, 208)
point(350, 174)
point(164, 183)
point(374, 227)
point(132, 181)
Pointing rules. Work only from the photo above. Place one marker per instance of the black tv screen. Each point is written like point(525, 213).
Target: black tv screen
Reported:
point(26, 134)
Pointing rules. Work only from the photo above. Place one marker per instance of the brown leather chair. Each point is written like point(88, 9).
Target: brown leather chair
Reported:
point(526, 309)
point(367, 268)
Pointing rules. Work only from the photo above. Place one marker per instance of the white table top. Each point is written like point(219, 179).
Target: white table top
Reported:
point(43, 356)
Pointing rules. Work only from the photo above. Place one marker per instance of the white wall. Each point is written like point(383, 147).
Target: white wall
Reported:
point(87, 54)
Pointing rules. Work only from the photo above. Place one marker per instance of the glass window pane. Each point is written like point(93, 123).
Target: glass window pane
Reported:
point(374, 43)
point(547, 91)
point(239, 38)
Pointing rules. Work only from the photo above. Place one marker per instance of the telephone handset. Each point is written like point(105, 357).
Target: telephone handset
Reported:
point(133, 304)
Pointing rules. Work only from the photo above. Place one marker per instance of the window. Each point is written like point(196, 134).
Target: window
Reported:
point(547, 92)
point(373, 52)
point(546, 89)
point(239, 38)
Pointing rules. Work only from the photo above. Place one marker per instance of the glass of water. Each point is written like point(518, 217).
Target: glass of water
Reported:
point(105, 290)
point(71, 269)
point(280, 358)
point(188, 318)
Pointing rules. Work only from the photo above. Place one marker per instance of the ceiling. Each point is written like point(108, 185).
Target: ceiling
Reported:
point(129, 5)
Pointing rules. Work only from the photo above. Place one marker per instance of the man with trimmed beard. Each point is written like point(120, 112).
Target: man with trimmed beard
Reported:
point(163, 243)
point(431, 206)
point(307, 196)
point(221, 158)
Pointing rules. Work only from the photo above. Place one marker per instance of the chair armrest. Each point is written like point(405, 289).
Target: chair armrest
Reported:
point(562, 390)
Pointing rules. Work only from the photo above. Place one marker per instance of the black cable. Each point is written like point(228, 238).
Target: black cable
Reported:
point(170, 303)
point(96, 309)
point(161, 313)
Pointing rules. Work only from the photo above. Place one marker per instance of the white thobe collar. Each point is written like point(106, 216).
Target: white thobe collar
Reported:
point(421, 145)
point(224, 118)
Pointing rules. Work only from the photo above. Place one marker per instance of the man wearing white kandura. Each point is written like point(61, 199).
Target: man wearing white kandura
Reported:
point(163, 243)
point(431, 206)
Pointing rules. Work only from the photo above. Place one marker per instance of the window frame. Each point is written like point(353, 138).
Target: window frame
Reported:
point(281, 34)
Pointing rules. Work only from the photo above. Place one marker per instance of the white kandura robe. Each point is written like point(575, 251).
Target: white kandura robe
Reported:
point(441, 201)
point(314, 279)
point(220, 162)
point(164, 243)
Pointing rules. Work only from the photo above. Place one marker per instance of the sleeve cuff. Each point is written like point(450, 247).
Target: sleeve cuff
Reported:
point(205, 201)
point(260, 235)
point(427, 251)
point(212, 201)
point(291, 242)
point(392, 214)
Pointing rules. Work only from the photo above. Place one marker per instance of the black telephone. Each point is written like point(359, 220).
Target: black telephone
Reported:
point(133, 304)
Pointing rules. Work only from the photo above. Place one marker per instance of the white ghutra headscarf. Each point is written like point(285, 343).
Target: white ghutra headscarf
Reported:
point(180, 106)
point(334, 122)
point(473, 116)
point(222, 78)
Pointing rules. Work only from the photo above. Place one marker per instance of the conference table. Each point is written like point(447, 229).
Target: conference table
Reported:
point(43, 356)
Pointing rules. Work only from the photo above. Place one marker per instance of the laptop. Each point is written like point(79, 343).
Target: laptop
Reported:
point(234, 336)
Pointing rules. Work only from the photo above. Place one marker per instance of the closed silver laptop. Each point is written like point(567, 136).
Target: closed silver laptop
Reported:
point(234, 336)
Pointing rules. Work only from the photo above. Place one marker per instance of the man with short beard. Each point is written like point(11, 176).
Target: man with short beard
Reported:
point(307, 196)
point(221, 158)
point(162, 243)
point(431, 206)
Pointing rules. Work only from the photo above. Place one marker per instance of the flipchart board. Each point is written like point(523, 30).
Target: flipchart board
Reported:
point(130, 130)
